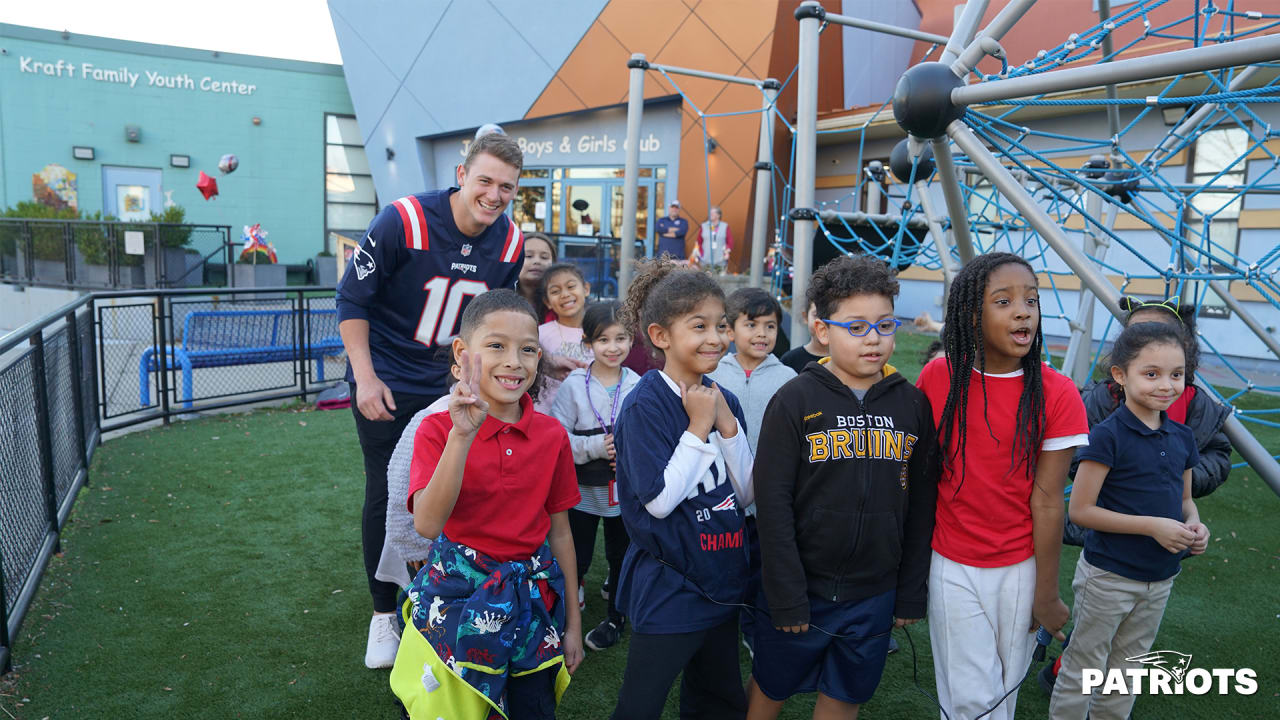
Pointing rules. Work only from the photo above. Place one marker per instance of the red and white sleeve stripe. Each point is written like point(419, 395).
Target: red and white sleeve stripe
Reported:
point(415, 223)
point(515, 243)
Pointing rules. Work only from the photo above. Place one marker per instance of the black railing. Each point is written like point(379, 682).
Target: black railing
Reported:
point(596, 256)
point(93, 254)
point(111, 360)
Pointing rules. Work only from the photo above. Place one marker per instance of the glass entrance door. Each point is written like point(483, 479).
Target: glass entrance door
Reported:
point(584, 210)
point(530, 208)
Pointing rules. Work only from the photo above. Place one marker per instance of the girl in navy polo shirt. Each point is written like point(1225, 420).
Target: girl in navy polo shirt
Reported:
point(684, 475)
point(1133, 491)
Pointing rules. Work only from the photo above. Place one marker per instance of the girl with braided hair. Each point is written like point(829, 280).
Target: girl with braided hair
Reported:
point(1007, 424)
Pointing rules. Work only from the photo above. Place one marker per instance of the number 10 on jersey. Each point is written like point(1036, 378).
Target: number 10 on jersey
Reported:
point(443, 307)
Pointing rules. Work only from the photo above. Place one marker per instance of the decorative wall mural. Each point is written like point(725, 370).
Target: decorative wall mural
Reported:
point(55, 186)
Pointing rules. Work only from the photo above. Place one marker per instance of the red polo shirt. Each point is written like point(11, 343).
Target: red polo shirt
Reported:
point(517, 475)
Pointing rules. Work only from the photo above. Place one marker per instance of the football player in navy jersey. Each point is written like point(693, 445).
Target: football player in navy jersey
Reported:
point(423, 259)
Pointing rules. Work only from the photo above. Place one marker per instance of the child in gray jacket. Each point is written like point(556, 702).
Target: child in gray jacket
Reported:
point(753, 375)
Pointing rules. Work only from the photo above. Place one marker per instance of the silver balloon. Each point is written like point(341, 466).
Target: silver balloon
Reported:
point(228, 163)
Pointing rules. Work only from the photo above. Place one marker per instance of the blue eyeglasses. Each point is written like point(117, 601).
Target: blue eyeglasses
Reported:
point(860, 328)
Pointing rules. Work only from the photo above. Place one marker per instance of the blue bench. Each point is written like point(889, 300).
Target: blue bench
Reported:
point(221, 338)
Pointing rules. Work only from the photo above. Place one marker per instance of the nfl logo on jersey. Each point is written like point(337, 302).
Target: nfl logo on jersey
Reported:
point(466, 249)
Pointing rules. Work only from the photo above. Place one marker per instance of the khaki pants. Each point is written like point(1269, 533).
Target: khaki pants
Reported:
point(1116, 618)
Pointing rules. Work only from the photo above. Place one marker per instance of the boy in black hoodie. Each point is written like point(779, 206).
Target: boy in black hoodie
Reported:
point(846, 488)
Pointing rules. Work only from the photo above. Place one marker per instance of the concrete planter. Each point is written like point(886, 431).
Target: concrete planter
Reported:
point(326, 270)
point(177, 261)
point(264, 275)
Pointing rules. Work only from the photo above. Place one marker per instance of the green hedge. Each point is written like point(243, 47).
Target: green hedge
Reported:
point(47, 240)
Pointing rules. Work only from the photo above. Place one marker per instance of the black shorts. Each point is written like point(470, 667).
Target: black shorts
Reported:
point(844, 668)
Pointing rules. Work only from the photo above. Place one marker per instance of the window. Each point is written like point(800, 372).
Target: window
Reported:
point(349, 198)
point(1218, 158)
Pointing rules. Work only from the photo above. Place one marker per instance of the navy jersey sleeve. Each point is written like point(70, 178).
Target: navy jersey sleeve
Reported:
point(375, 259)
point(642, 449)
point(512, 278)
point(1102, 446)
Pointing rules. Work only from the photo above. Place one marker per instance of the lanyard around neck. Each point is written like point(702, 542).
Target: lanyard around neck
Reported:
point(613, 411)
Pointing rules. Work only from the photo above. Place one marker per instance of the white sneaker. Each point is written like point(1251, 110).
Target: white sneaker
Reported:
point(582, 598)
point(384, 641)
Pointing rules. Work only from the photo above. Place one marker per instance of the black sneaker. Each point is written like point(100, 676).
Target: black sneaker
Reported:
point(604, 636)
point(606, 590)
point(1046, 677)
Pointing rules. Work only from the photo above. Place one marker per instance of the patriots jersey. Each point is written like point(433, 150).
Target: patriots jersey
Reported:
point(412, 276)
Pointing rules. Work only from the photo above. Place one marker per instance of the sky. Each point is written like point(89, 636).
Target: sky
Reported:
point(292, 29)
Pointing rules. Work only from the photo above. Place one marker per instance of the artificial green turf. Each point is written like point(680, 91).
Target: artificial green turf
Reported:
point(213, 569)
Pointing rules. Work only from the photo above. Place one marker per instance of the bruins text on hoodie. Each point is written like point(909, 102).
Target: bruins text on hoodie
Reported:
point(845, 493)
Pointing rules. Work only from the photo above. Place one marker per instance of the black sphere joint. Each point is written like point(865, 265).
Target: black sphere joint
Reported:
point(922, 101)
point(900, 162)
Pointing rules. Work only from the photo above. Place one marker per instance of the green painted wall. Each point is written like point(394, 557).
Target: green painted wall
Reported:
point(280, 181)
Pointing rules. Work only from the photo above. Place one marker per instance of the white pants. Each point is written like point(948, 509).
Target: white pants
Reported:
point(979, 621)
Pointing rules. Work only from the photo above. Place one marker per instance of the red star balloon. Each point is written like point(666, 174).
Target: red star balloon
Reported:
point(207, 186)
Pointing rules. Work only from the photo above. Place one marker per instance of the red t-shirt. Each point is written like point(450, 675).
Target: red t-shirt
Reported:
point(988, 523)
point(517, 475)
point(1177, 412)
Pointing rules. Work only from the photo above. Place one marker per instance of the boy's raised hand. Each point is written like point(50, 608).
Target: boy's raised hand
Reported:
point(466, 409)
point(700, 404)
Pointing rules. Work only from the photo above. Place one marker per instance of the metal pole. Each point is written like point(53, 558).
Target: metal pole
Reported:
point(880, 219)
point(301, 338)
point(1241, 439)
point(631, 175)
point(956, 208)
point(873, 26)
point(939, 238)
point(1080, 346)
point(1249, 448)
point(1108, 47)
point(1265, 48)
point(671, 69)
point(764, 182)
point(1008, 16)
point(166, 356)
point(964, 30)
point(810, 16)
point(44, 441)
point(77, 391)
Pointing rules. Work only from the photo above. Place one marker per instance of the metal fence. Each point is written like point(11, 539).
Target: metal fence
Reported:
point(93, 254)
point(114, 359)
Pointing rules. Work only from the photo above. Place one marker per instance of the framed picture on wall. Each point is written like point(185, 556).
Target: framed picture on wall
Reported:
point(344, 248)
